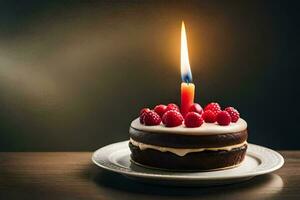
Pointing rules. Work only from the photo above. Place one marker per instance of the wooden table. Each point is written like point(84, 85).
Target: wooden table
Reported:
point(71, 175)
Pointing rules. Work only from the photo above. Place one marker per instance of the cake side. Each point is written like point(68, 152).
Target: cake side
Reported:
point(196, 161)
point(208, 147)
point(188, 141)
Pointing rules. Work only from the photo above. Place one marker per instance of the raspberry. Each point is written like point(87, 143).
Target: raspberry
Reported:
point(142, 114)
point(152, 118)
point(196, 108)
point(160, 109)
point(215, 107)
point(193, 119)
point(209, 116)
point(234, 114)
point(172, 106)
point(172, 118)
point(223, 118)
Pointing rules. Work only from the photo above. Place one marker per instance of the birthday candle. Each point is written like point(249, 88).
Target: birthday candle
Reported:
point(187, 87)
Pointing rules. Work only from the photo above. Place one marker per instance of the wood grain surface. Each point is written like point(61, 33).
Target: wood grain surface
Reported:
point(71, 175)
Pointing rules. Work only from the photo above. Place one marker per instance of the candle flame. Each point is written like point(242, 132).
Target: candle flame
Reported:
point(186, 74)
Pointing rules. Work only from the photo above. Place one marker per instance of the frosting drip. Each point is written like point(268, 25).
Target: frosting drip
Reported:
point(182, 152)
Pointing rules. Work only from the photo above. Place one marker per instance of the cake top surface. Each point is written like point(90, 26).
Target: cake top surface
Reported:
point(205, 129)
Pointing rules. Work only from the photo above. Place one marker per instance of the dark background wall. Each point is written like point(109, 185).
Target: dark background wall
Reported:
point(73, 74)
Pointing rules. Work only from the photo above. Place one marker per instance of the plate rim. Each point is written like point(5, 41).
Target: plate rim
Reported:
point(126, 172)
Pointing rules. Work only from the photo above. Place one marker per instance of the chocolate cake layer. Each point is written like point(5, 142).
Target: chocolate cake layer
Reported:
point(188, 141)
point(204, 160)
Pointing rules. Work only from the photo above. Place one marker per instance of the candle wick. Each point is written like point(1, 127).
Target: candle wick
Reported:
point(187, 78)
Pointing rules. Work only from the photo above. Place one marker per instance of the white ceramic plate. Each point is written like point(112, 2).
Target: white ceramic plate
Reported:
point(259, 160)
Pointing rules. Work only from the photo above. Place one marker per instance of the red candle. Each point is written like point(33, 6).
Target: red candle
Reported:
point(187, 97)
point(187, 87)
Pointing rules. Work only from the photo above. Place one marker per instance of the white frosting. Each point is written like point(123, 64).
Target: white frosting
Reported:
point(182, 151)
point(204, 129)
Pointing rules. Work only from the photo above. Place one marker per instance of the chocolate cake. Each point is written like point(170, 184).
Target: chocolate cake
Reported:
point(208, 147)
